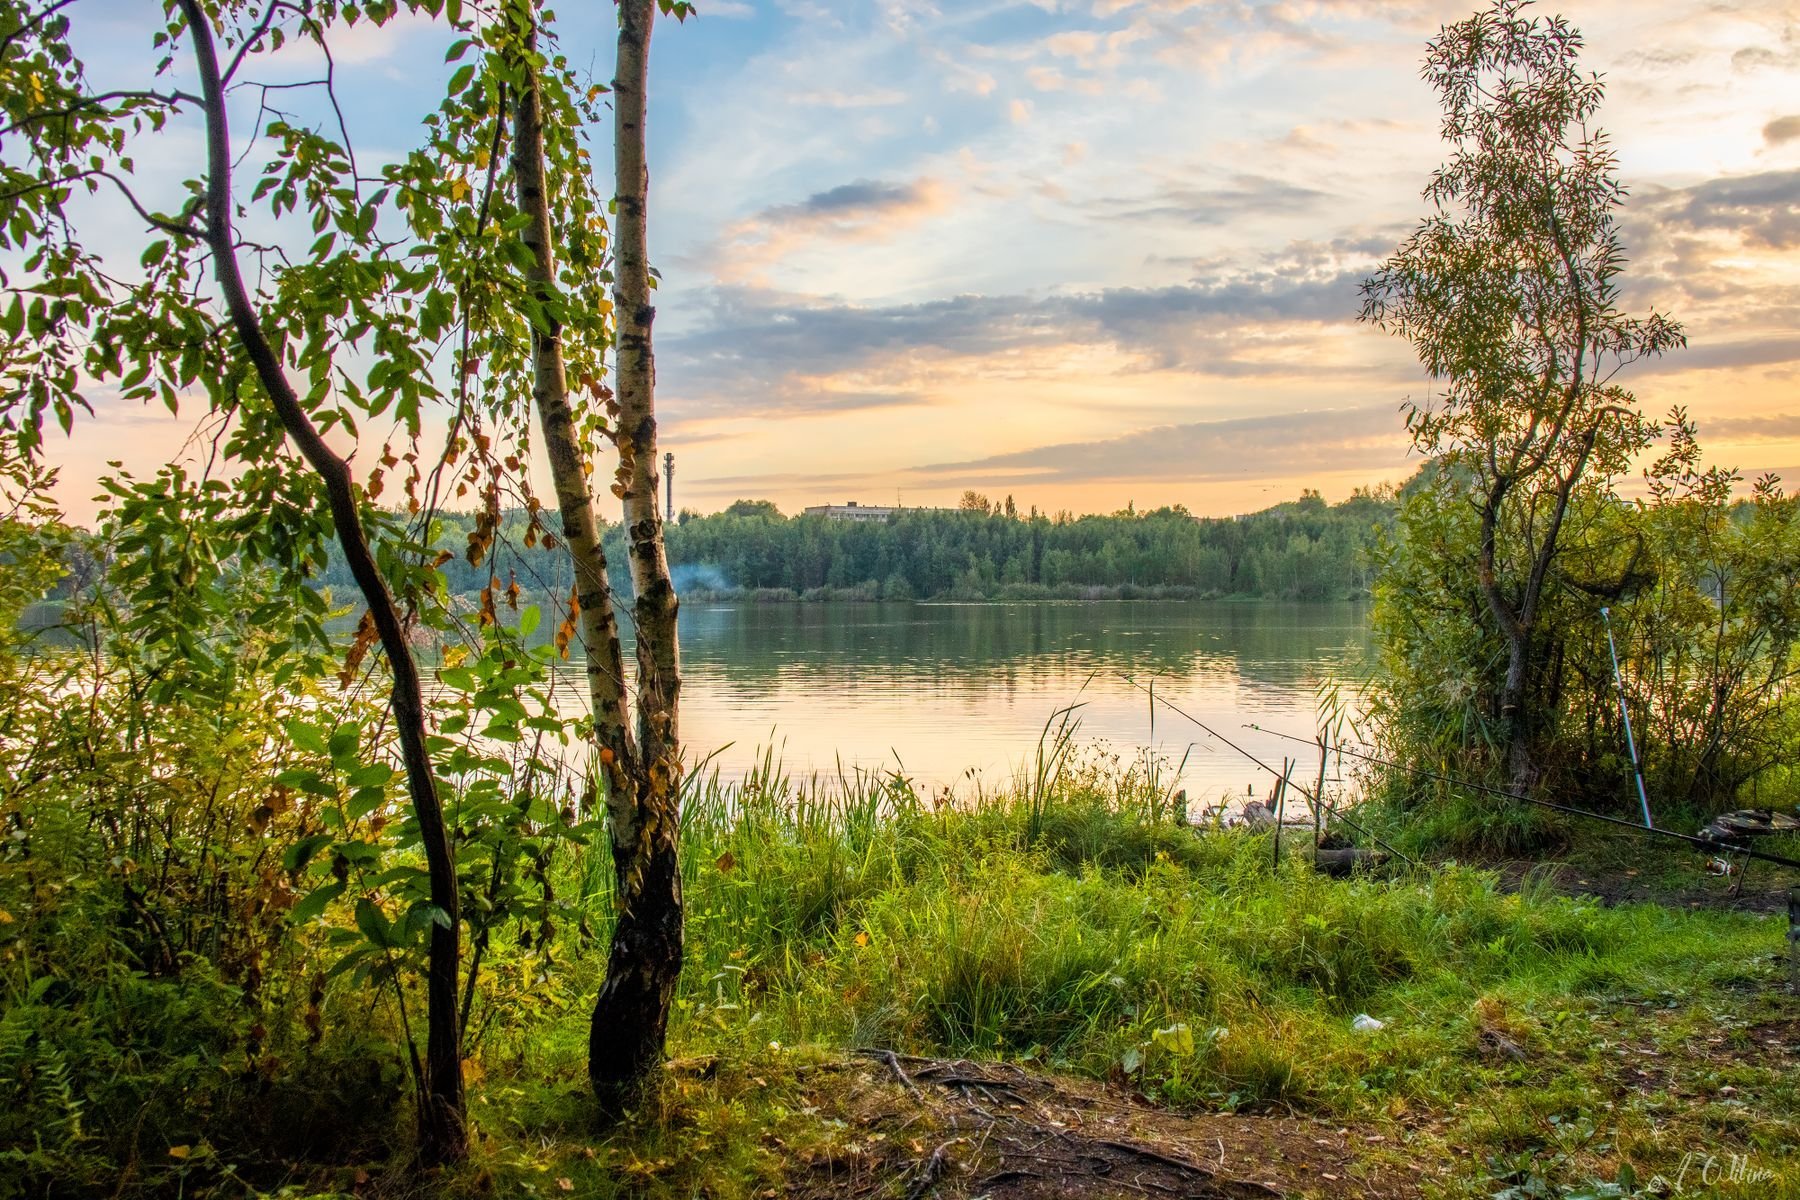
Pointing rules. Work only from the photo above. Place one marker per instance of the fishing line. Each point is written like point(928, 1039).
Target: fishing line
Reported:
point(1311, 799)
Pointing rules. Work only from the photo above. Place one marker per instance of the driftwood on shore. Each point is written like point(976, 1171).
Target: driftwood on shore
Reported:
point(1748, 823)
point(1330, 858)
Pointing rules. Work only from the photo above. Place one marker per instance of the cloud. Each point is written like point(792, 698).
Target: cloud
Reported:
point(1266, 446)
point(362, 44)
point(1659, 58)
point(848, 202)
point(1763, 209)
point(761, 352)
point(1781, 56)
point(1773, 427)
point(1781, 129)
point(735, 10)
point(960, 77)
point(1234, 448)
point(1709, 355)
point(1337, 134)
point(829, 98)
point(1049, 79)
point(864, 211)
point(1215, 204)
point(1093, 50)
point(1208, 327)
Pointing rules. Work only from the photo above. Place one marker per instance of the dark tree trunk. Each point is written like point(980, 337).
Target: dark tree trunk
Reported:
point(442, 1133)
point(1517, 718)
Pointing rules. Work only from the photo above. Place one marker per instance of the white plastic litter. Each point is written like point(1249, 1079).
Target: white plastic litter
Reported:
point(1364, 1023)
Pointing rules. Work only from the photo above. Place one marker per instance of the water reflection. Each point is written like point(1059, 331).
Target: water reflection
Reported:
point(956, 692)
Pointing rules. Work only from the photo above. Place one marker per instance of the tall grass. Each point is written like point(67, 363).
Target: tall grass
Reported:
point(1069, 920)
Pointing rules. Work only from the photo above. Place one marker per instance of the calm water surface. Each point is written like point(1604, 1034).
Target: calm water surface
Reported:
point(955, 693)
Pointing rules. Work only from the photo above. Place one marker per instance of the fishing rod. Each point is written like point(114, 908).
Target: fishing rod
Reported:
point(1310, 798)
point(1715, 847)
point(1630, 741)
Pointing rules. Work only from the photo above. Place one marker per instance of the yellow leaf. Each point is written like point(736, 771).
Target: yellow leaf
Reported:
point(6, 918)
point(179, 1151)
point(565, 1184)
point(459, 188)
point(862, 939)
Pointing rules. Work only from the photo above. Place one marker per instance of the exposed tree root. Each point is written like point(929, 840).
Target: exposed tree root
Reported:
point(954, 1129)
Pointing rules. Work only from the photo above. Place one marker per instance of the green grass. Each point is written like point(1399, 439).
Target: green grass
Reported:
point(1070, 925)
point(1084, 933)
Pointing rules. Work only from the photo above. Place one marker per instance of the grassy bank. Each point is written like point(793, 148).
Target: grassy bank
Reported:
point(1529, 1041)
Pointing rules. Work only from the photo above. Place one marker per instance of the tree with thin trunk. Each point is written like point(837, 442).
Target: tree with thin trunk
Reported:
point(1508, 291)
point(442, 1136)
point(638, 752)
point(330, 315)
point(630, 1020)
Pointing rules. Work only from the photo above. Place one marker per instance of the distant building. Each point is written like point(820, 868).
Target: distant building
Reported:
point(852, 511)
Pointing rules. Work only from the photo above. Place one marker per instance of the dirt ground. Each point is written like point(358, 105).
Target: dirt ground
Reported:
point(955, 1130)
point(1755, 887)
point(918, 1128)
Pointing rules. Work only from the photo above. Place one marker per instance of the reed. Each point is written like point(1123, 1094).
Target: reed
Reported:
point(1070, 920)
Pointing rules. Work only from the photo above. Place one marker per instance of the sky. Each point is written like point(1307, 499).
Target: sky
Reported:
point(1098, 252)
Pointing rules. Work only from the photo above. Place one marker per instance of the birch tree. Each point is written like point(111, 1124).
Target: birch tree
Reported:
point(559, 324)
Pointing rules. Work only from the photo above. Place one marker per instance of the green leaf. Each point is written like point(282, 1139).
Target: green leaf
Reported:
point(355, 960)
point(460, 78)
point(343, 745)
point(373, 922)
point(306, 737)
point(423, 915)
point(365, 801)
point(313, 904)
point(460, 678)
point(302, 851)
point(373, 775)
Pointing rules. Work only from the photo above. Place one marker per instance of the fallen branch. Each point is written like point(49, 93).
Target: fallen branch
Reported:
point(893, 1064)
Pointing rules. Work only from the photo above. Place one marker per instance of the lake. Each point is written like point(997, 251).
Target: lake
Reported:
point(956, 695)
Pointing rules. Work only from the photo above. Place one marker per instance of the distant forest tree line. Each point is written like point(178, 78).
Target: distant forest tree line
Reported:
point(1304, 549)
